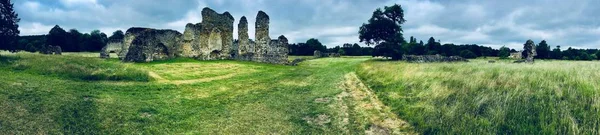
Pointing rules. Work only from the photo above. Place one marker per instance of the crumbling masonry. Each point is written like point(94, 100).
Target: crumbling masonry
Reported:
point(212, 39)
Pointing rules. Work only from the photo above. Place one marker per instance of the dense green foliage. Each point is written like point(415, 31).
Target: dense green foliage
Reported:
point(467, 54)
point(307, 48)
point(351, 50)
point(384, 30)
point(74, 41)
point(69, 41)
point(543, 50)
point(548, 97)
point(9, 27)
point(504, 52)
point(32, 43)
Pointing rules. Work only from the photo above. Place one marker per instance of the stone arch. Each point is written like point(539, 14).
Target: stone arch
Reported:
point(111, 47)
point(160, 51)
point(215, 54)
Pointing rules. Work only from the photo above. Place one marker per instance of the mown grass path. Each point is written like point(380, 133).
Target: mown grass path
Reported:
point(182, 96)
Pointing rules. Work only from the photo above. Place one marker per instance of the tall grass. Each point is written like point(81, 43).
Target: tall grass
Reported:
point(80, 68)
point(548, 97)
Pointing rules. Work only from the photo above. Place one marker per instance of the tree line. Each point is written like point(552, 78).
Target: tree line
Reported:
point(311, 45)
point(544, 51)
point(69, 41)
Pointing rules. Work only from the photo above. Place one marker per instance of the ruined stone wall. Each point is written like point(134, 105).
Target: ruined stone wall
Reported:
point(516, 55)
point(130, 35)
point(190, 45)
point(210, 39)
point(215, 22)
point(262, 36)
point(111, 46)
point(152, 44)
point(50, 49)
point(243, 39)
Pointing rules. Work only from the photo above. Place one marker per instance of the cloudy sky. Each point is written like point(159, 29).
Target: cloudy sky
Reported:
point(569, 23)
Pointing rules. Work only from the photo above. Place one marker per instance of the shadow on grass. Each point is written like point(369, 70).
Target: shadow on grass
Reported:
point(7, 60)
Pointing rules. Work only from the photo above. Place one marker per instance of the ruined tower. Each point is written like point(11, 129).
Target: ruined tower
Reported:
point(262, 35)
point(212, 22)
point(244, 47)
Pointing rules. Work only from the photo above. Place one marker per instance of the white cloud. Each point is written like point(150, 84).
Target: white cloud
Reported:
point(34, 28)
point(77, 2)
point(334, 22)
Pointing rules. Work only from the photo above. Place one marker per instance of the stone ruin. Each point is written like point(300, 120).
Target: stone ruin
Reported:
point(529, 51)
point(319, 54)
point(113, 46)
point(432, 58)
point(211, 39)
point(516, 55)
point(145, 44)
point(50, 49)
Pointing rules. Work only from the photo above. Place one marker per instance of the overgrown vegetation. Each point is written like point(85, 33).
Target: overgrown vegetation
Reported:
point(548, 97)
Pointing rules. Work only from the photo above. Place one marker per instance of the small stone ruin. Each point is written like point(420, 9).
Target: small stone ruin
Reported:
point(432, 58)
point(529, 51)
point(113, 46)
point(50, 49)
point(211, 39)
point(319, 54)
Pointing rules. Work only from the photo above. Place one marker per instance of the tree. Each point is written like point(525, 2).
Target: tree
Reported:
point(97, 41)
point(432, 47)
point(467, 54)
point(598, 55)
point(73, 41)
point(117, 36)
point(584, 56)
point(315, 44)
point(542, 50)
point(57, 37)
point(384, 31)
point(9, 27)
point(556, 53)
point(504, 52)
point(356, 50)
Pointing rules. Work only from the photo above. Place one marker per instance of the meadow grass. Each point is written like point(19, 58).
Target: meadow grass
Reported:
point(80, 68)
point(548, 97)
point(44, 97)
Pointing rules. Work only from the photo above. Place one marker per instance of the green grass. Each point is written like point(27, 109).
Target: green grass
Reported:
point(78, 93)
point(41, 94)
point(88, 54)
point(293, 57)
point(79, 68)
point(548, 97)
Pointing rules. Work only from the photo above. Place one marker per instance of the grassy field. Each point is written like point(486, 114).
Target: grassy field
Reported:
point(78, 93)
point(71, 94)
point(548, 97)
